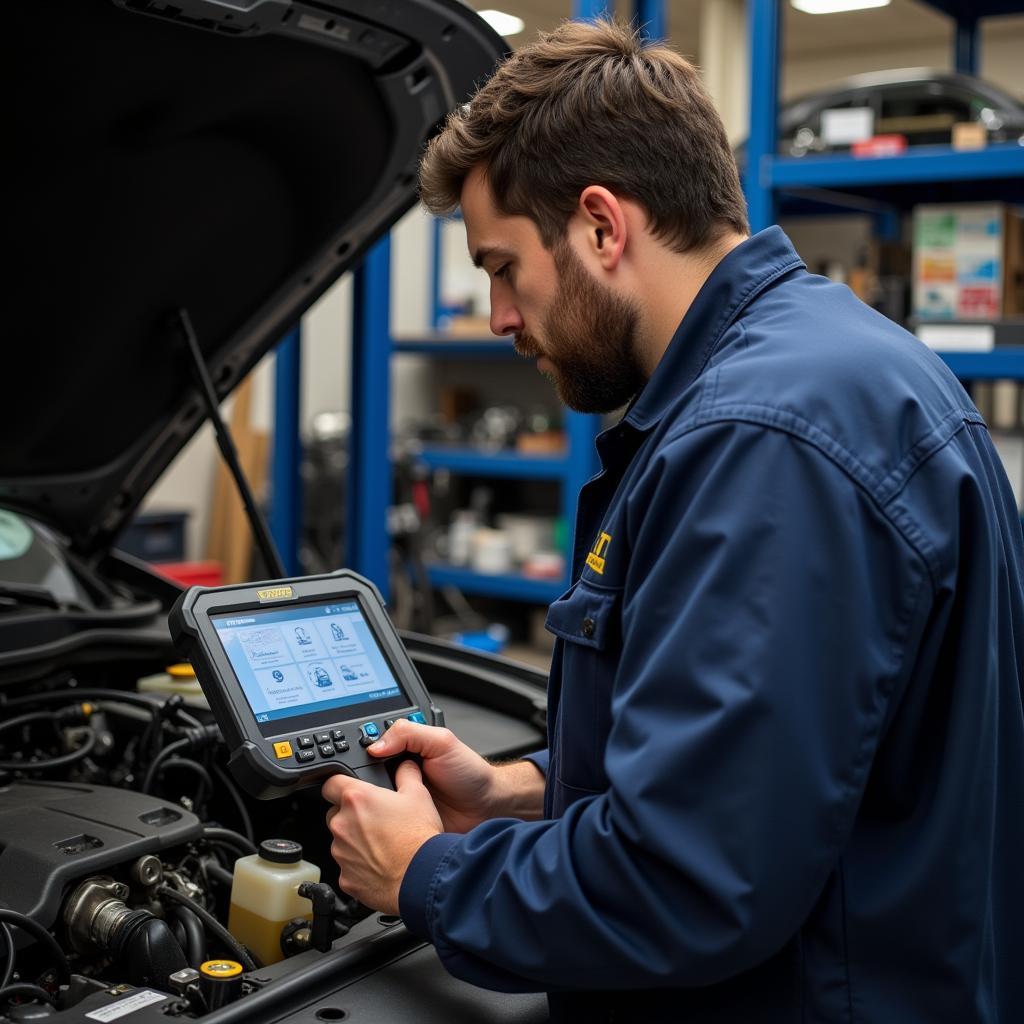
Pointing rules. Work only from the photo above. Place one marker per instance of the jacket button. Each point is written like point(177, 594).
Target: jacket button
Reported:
point(588, 627)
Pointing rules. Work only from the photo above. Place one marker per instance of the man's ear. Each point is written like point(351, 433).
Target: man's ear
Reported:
point(605, 223)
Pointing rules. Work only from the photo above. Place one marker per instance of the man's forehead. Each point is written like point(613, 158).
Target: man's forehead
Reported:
point(489, 232)
point(479, 214)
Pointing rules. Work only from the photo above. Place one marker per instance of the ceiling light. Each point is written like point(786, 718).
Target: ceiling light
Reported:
point(508, 24)
point(835, 6)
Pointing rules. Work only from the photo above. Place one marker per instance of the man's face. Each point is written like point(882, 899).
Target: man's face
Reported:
point(583, 335)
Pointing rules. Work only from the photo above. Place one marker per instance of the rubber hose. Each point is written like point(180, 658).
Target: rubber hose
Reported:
point(244, 957)
point(26, 924)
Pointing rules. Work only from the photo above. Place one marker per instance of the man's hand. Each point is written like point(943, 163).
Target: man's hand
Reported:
point(466, 789)
point(377, 832)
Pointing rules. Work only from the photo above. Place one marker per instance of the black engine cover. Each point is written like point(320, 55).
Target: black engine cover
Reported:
point(54, 834)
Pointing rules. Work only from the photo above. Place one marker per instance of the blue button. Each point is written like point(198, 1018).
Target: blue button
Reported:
point(371, 729)
point(417, 716)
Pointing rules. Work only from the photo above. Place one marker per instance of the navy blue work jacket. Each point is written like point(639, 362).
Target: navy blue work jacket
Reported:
point(786, 774)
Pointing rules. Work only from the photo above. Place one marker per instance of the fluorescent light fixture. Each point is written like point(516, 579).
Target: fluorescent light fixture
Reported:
point(508, 24)
point(835, 6)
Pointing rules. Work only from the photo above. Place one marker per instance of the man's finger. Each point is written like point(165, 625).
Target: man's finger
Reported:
point(427, 740)
point(334, 789)
point(408, 776)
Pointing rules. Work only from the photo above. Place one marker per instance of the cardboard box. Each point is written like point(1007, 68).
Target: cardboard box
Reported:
point(968, 262)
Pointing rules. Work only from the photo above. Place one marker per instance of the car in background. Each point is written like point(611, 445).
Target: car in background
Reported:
point(920, 104)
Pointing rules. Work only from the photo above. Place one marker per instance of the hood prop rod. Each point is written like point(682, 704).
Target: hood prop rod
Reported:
point(264, 541)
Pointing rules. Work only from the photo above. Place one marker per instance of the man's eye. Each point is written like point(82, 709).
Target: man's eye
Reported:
point(502, 271)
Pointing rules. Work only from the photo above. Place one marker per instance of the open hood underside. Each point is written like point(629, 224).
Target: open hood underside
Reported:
point(232, 157)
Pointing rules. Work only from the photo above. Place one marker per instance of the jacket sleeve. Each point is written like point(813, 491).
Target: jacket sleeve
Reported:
point(768, 609)
point(540, 758)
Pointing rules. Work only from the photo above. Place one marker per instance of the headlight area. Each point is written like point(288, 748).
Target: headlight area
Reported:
point(132, 868)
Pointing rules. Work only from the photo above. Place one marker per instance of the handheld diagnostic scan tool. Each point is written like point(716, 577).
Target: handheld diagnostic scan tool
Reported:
point(302, 675)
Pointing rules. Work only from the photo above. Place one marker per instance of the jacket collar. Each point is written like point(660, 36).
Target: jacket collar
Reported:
point(737, 280)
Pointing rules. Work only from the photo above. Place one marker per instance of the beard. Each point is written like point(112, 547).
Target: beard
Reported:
point(590, 339)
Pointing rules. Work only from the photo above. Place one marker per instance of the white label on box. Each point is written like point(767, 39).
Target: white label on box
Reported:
point(843, 127)
point(958, 337)
point(136, 1001)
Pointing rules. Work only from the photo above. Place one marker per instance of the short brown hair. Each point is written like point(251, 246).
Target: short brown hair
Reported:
point(593, 104)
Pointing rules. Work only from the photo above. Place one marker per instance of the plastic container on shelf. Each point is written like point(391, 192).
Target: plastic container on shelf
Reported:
point(265, 897)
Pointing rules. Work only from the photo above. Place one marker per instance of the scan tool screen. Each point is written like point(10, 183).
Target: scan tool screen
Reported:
point(312, 662)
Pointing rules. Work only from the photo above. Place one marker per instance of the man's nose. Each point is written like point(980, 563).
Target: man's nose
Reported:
point(505, 318)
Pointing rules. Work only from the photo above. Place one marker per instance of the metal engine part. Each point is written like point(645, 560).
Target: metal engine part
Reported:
point(95, 912)
point(55, 834)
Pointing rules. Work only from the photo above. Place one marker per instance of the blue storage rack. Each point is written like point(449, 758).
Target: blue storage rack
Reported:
point(880, 185)
point(996, 172)
point(508, 464)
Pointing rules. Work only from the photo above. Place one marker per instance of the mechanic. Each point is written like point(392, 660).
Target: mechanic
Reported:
point(785, 771)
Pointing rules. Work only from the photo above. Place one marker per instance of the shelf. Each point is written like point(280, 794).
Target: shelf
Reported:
point(918, 164)
point(508, 464)
point(513, 586)
point(456, 348)
point(1000, 364)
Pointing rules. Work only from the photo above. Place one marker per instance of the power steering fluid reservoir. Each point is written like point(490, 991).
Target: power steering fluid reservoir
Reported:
point(264, 896)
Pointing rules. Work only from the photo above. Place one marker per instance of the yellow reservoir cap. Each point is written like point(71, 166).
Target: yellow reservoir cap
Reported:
point(220, 969)
point(182, 670)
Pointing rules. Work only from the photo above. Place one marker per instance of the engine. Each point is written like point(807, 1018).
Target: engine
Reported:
point(119, 833)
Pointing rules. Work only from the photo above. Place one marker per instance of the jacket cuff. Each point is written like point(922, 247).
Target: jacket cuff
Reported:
point(417, 890)
point(540, 759)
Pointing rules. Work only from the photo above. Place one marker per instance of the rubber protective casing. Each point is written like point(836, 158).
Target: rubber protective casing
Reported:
point(195, 638)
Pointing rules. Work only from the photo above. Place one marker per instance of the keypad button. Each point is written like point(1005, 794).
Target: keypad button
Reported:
point(327, 750)
point(305, 742)
point(417, 716)
point(388, 722)
point(337, 734)
point(341, 746)
point(302, 756)
point(282, 750)
point(369, 733)
point(323, 737)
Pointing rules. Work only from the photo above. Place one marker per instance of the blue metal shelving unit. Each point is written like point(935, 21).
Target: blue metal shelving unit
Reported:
point(994, 172)
point(512, 586)
point(499, 348)
point(769, 177)
point(508, 464)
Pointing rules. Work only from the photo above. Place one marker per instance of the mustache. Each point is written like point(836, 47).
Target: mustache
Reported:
point(526, 346)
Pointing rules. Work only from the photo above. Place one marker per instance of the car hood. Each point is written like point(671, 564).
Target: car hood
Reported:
point(229, 157)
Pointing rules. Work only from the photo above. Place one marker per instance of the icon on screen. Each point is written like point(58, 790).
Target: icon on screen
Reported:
point(337, 632)
point(278, 675)
point(302, 636)
point(347, 674)
point(318, 676)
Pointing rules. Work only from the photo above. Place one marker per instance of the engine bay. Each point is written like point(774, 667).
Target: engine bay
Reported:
point(121, 834)
point(119, 831)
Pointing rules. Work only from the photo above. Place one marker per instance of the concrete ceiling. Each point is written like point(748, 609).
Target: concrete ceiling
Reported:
point(902, 23)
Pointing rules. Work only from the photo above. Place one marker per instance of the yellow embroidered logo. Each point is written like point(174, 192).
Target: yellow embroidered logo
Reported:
point(595, 560)
point(275, 594)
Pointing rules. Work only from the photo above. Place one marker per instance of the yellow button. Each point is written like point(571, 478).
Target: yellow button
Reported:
point(283, 750)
